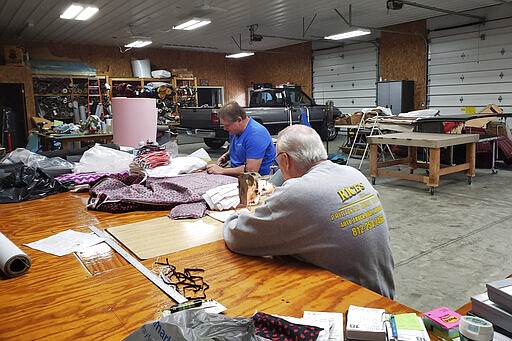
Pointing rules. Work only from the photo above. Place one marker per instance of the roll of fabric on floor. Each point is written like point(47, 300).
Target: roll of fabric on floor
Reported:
point(134, 120)
point(13, 261)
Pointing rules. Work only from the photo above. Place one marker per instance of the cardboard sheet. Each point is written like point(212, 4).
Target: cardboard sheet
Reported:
point(156, 237)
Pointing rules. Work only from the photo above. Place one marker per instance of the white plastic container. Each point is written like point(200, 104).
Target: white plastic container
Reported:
point(141, 68)
point(472, 328)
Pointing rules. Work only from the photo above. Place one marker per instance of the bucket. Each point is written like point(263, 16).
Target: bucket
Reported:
point(141, 68)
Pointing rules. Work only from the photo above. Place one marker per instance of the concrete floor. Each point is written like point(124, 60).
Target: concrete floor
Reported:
point(446, 246)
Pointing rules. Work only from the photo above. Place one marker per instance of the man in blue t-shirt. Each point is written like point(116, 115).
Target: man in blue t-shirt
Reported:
point(250, 145)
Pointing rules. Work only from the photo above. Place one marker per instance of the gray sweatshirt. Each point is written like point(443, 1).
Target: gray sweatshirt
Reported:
point(330, 217)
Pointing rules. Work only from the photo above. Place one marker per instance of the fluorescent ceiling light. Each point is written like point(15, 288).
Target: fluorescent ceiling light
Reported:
point(87, 13)
point(79, 12)
point(240, 55)
point(192, 24)
point(139, 43)
point(351, 34)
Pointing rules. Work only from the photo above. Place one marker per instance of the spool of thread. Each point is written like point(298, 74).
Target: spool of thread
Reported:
point(472, 328)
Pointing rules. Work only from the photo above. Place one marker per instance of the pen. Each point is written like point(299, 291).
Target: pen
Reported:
point(185, 305)
point(394, 331)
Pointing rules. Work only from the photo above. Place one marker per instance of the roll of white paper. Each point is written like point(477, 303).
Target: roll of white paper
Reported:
point(13, 261)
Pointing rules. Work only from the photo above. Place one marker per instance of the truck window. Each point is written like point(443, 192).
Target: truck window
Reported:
point(298, 98)
point(264, 98)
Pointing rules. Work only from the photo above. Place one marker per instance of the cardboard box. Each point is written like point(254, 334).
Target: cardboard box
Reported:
point(13, 55)
point(355, 118)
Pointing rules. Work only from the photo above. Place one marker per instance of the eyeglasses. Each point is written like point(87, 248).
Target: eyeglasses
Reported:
point(275, 162)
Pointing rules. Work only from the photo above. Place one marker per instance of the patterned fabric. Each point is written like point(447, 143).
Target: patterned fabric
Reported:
point(194, 210)
point(124, 193)
point(278, 329)
point(82, 178)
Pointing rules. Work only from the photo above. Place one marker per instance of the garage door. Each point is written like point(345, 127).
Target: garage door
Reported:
point(470, 68)
point(346, 75)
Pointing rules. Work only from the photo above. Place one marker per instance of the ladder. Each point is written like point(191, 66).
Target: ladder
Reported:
point(94, 92)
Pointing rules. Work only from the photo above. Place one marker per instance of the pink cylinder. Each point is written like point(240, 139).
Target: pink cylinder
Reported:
point(133, 120)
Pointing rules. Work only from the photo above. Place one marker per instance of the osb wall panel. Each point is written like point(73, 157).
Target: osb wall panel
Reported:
point(291, 64)
point(403, 57)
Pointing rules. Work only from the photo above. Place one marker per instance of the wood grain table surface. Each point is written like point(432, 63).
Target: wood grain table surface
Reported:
point(96, 294)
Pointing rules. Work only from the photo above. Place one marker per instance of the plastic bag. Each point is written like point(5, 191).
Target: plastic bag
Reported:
point(197, 325)
point(21, 183)
point(51, 165)
point(104, 159)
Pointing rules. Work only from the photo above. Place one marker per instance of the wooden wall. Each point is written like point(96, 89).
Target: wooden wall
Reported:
point(403, 56)
point(288, 64)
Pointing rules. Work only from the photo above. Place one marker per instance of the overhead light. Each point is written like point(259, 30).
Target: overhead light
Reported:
point(351, 34)
point(139, 43)
point(240, 55)
point(192, 24)
point(79, 12)
point(394, 4)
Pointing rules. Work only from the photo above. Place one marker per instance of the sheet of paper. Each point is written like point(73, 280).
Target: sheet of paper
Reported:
point(224, 215)
point(66, 242)
point(310, 321)
point(335, 331)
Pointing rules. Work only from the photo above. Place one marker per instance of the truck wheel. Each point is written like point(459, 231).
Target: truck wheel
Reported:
point(332, 133)
point(327, 132)
point(214, 143)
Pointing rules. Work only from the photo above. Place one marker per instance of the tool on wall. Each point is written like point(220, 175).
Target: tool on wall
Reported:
point(94, 91)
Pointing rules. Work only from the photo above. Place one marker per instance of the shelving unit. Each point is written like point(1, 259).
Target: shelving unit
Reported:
point(186, 91)
point(61, 97)
point(136, 83)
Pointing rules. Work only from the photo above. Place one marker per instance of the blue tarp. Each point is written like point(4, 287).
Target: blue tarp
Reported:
point(62, 68)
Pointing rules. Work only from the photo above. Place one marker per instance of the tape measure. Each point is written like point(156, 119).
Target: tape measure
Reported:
point(171, 292)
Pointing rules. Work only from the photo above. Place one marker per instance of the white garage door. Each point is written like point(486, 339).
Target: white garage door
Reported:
point(347, 76)
point(470, 68)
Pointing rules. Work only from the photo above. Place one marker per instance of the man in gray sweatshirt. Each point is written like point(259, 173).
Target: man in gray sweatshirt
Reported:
point(325, 214)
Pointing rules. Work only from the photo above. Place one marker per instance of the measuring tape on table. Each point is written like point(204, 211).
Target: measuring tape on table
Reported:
point(171, 292)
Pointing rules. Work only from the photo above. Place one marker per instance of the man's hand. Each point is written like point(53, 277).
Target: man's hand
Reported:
point(214, 169)
point(223, 160)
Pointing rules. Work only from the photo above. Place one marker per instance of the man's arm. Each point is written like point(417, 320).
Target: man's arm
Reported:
point(252, 165)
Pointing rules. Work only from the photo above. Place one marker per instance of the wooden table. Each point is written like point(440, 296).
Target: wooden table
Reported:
point(67, 140)
point(100, 296)
point(433, 142)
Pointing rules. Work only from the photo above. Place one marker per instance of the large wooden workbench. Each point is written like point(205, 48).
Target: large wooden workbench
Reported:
point(67, 140)
point(99, 296)
point(433, 142)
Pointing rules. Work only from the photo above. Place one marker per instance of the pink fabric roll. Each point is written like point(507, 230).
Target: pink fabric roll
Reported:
point(133, 120)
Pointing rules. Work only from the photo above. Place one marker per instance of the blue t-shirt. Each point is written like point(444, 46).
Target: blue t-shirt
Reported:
point(253, 143)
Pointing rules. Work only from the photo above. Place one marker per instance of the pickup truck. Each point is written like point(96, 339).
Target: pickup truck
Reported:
point(274, 108)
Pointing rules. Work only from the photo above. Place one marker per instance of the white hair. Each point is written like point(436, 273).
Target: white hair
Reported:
point(302, 144)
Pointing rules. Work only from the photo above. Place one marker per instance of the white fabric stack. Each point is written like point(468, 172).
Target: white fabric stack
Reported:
point(223, 197)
